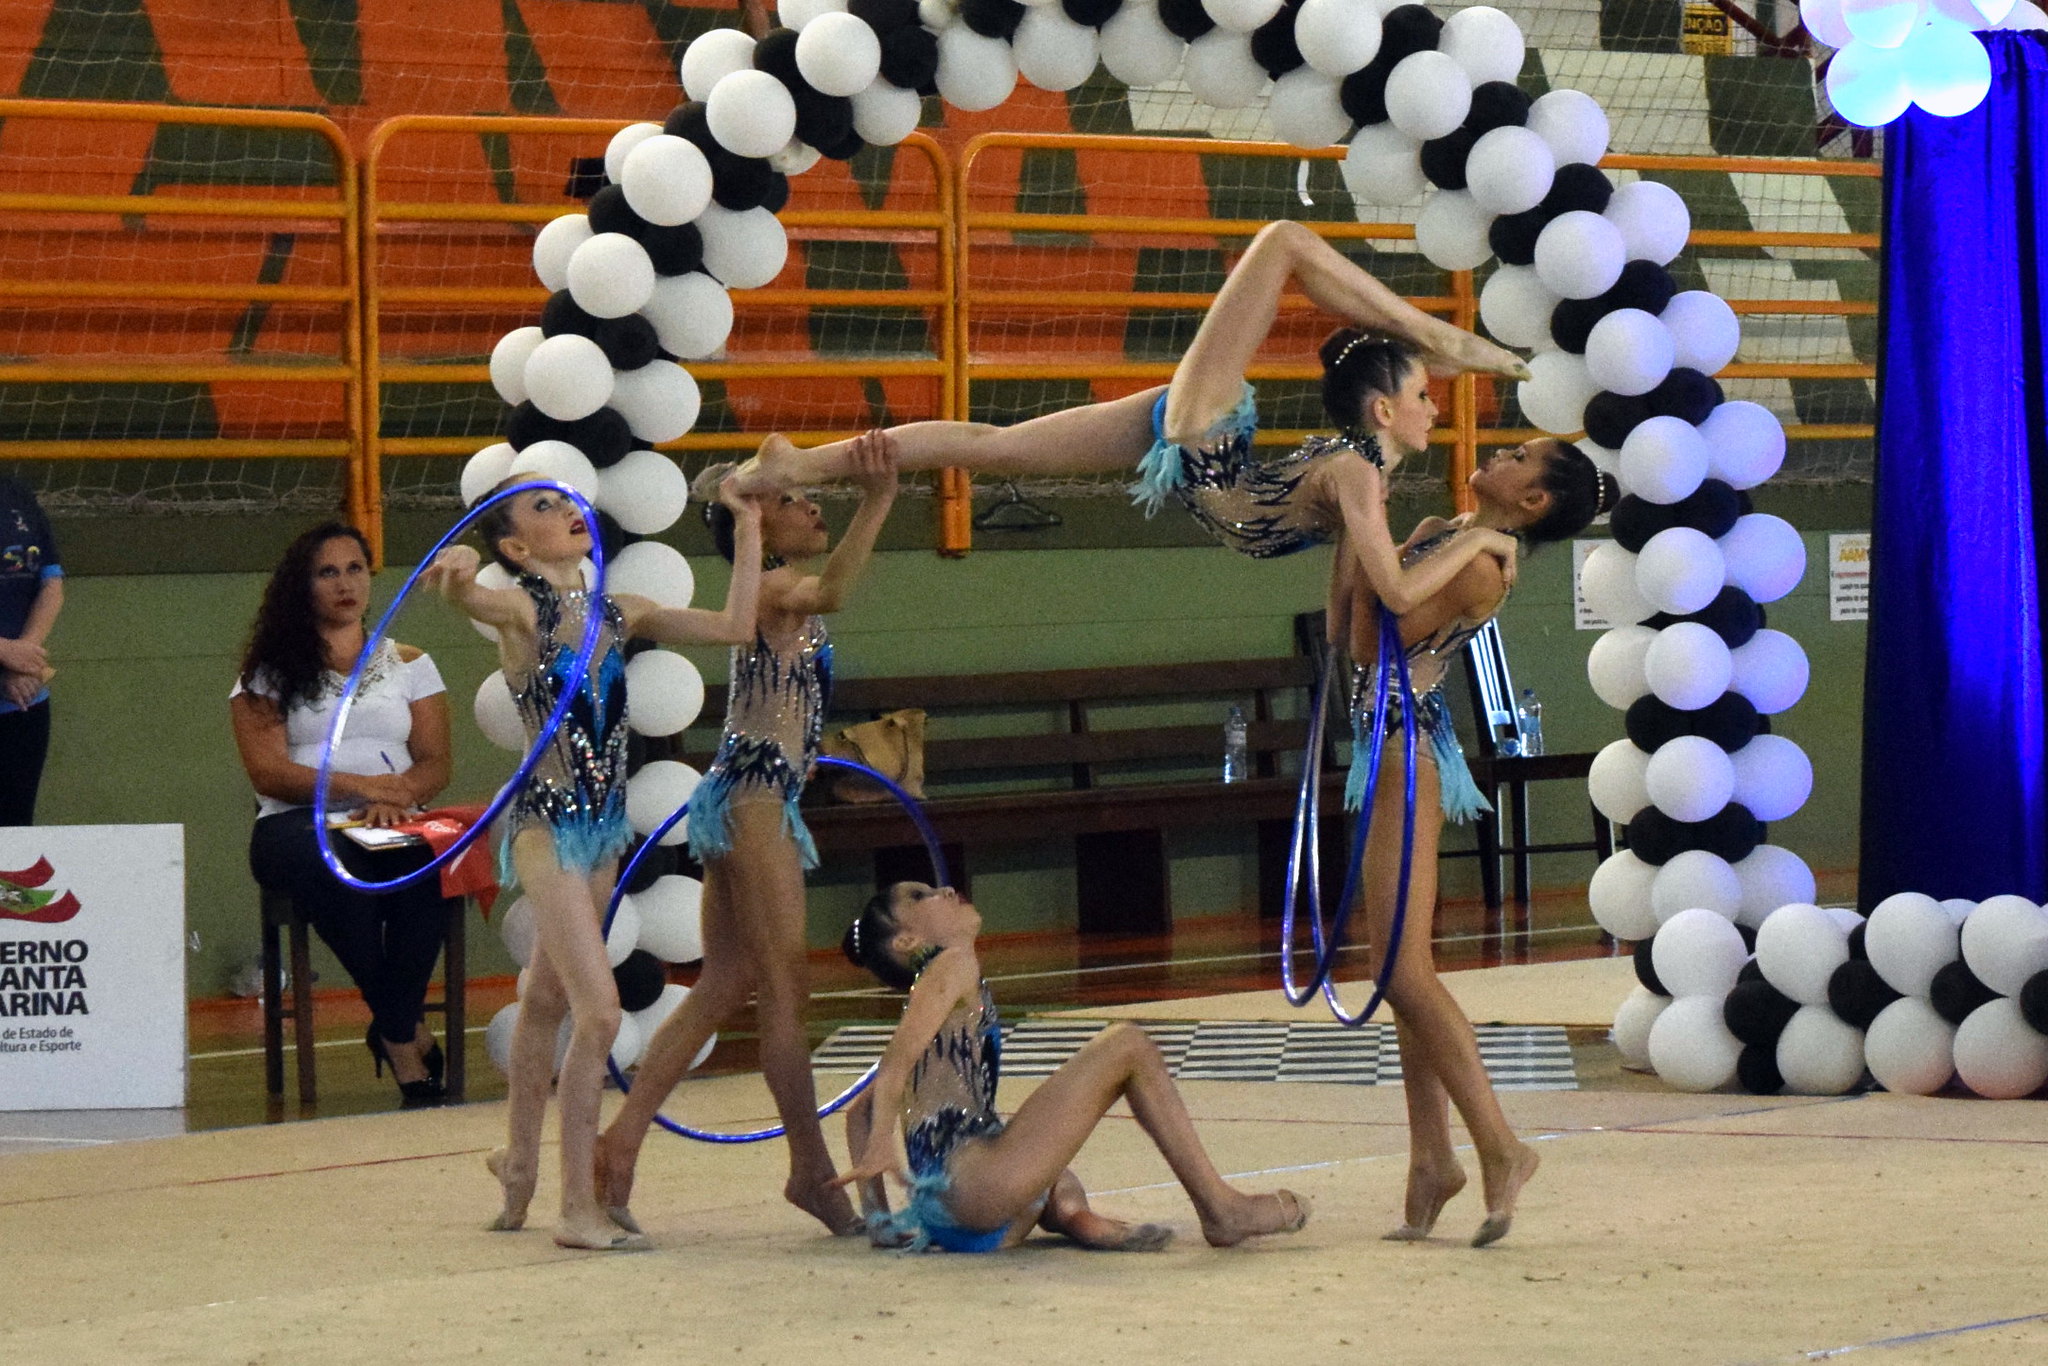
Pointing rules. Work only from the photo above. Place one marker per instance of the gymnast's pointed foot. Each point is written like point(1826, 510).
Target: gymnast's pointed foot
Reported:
point(1504, 1182)
point(771, 470)
point(1253, 1216)
point(826, 1203)
point(1430, 1188)
point(518, 1189)
point(1453, 351)
point(1102, 1234)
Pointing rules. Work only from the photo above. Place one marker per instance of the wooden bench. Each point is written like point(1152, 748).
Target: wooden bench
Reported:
point(1067, 765)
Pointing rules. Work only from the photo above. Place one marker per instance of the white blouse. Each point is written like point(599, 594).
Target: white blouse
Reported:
point(379, 724)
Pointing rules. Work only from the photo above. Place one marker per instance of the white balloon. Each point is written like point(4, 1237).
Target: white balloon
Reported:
point(1819, 1054)
point(626, 139)
point(1705, 333)
point(657, 792)
point(797, 14)
point(1608, 582)
point(1908, 940)
point(1773, 777)
point(652, 1018)
point(1688, 666)
point(1574, 125)
point(884, 114)
point(1617, 781)
point(1910, 1049)
point(1336, 37)
point(1771, 877)
point(498, 1036)
point(666, 180)
point(1619, 896)
point(1698, 953)
point(692, 315)
point(1697, 880)
point(1579, 255)
point(1451, 230)
point(1633, 1021)
point(1054, 52)
point(838, 54)
point(1559, 387)
point(650, 569)
point(1306, 111)
point(625, 1047)
point(1798, 947)
point(1652, 219)
point(1745, 443)
point(1680, 571)
point(567, 377)
point(1514, 305)
point(1823, 19)
point(671, 919)
point(1771, 671)
point(751, 113)
point(491, 575)
point(1998, 1055)
point(559, 461)
point(1867, 85)
point(1616, 666)
point(1383, 165)
point(2021, 17)
point(1882, 23)
point(1958, 909)
point(2005, 941)
point(744, 250)
point(1948, 71)
point(485, 470)
point(664, 692)
point(1766, 557)
point(1428, 95)
point(712, 56)
point(660, 401)
point(1690, 1045)
point(1510, 169)
point(644, 493)
point(1486, 43)
point(1241, 15)
point(508, 363)
point(1690, 778)
point(609, 276)
point(517, 930)
point(975, 73)
point(624, 934)
point(796, 157)
point(497, 715)
point(1629, 352)
point(1140, 50)
point(554, 244)
point(1995, 13)
point(1220, 70)
point(1664, 459)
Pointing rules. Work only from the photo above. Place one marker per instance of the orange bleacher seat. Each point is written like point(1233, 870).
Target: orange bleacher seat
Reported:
point(21, 28)
point(603, 61)
point(799, 403)
point(447, 57)
point(247, 53)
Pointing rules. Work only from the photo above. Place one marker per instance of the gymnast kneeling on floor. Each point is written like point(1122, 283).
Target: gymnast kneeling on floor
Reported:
point(978, 1183)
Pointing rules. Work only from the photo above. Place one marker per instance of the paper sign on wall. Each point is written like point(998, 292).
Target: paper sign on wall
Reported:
point(1849, 576)
point(1584, 618)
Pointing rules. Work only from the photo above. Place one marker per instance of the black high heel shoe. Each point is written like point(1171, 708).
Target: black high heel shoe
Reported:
point(436, 1062)
point(426, 1091)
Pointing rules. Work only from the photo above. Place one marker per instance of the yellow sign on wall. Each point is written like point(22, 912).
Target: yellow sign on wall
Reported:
point(1706, 31)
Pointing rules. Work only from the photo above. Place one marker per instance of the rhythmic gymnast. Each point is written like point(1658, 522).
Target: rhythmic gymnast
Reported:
point(564, 831)
point(745, 828)
point(978, 1183)
point(1544, 490)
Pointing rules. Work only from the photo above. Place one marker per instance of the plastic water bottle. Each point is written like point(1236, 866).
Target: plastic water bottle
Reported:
point(1236, 746)
point(1529, 720)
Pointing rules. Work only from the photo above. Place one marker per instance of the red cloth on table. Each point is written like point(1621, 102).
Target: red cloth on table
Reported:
point(474, 872)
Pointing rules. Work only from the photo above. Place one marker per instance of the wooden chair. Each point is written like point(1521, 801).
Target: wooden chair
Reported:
point(280, 913)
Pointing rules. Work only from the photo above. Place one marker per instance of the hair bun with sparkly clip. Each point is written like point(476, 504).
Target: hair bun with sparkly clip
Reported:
point(1610, 494)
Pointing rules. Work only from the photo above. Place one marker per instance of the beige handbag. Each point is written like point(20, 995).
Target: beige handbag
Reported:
point(892, 744)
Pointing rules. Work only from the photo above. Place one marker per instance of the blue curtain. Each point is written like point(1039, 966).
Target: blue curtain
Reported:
point(1955, 728)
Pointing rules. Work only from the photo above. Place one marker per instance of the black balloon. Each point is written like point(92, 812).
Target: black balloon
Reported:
point(658, 863)
point(1443, 159)
point(1685, 394)
point(1733, 615)
point(1757, 1012)
point(742, 183)
point(910, 58)
point(1273, 45)
point(1497, 104)
point(612, 536)
point(563, 316)
point(689, 121)
point(1956, 992)
point(1748, 933)
point(1572, 322)
point(604, 437)
point(1363, 93)
point(628, 342)
point(609, 212)
point(1756, 1070)
point(1578, 186)
point(1646, 970)
point(1635, 520)
point(1732, 833)
point(1611, 417)
point(1513, 235)
point(1730, 721)
point(1752, 971)
point(824, 120)
point(2033, 1000)
point(1091, 13)
point(1644, 285)
point(884, 16)
point(843, 148)
point(1856, 993)
point(1655, 838)
point(1710, 509)
point(640, 980)
point(992, 18)
point(775, 54)
point(1859, 946)
point(674, 251)
point(1652, 723)
point(524, 424)
point(1186, 20)
point(1406, 30)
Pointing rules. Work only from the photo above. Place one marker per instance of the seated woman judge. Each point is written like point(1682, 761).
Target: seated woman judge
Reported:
point(391, 760)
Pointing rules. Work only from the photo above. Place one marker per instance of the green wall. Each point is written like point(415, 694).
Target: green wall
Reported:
point(147, 658)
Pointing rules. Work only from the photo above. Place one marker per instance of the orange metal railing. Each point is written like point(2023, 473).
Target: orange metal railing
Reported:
point(52, 281)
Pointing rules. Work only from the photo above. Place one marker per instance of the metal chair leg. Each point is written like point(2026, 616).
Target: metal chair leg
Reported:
point(302, 1009)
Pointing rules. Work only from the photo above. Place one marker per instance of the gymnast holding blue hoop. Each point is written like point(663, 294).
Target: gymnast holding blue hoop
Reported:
point(562, 648)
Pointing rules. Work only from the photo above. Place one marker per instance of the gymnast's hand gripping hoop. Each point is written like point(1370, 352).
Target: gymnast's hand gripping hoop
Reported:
point(844, 1098)
point(571, 686)
point(1328, 940)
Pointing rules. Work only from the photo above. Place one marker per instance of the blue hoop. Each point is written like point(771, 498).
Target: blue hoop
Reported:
point(844, 1098)
point(593, 624)
point(1307, 826)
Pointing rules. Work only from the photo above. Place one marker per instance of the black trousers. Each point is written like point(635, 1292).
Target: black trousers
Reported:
point(387, 943)
point(24, 745)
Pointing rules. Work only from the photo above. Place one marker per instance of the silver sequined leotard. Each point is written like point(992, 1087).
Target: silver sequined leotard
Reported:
point(952, 1092)
point(773, 725)
point(578, 789)
point(1257, 507)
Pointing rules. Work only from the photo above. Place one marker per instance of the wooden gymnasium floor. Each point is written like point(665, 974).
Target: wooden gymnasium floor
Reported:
point(1662, 1227)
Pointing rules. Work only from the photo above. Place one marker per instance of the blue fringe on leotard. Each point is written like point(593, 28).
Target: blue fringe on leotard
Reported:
point(1460, 797)
point(930, 1225)
point(1161, 472)
point(742, 760)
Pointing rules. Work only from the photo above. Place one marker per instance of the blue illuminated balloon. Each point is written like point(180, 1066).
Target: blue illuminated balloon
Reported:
point(1867, 85)
point(1948, 70)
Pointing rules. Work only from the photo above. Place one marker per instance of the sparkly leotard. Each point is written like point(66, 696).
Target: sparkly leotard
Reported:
point(950, 1100)
point(1429, 661)
point(578, 789)
point(1257, 507)
point(773, 724)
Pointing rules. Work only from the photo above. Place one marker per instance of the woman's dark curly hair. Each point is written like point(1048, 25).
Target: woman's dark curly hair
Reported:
point(1357, 367)
point(284, 644)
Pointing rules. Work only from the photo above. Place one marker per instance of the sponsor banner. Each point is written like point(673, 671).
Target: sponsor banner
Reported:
point(92, 967)
point(1849, 576)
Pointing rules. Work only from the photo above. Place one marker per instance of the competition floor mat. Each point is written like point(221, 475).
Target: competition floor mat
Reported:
point(1517, 1057)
